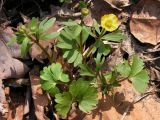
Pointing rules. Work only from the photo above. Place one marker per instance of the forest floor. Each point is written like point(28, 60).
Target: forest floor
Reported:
point(21, 97)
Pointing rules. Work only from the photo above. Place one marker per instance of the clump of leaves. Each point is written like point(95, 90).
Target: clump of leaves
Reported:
point(71, 40)
point(33, 32)
point(77, 93)
point(51, 76)
point(135, 72)
point(87, 60)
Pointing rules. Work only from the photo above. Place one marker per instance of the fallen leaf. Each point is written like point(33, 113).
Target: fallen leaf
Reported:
point(119, 4)
point(145, 22)
point(14, 49)
point(10, 67)
point(40, 99)
point(100, 8)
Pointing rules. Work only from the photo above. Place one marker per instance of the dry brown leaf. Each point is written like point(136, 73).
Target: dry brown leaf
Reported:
point(119, 4)
point(39, 98)
point(10, 67)
point(145, 22)
point(101, 7)
point(14, 49)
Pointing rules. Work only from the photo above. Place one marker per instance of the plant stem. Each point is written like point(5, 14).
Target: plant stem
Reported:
point(103, 31)
point(36, 41)
point(123, 79)
point(43, 49)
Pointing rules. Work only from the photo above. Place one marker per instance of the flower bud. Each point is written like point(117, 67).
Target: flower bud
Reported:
point(85, 11)
point(22, 28)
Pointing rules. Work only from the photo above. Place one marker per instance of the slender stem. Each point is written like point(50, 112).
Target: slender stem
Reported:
point(36, 41)
point(123, 79)
point(103, 31)
point(43, 49)
point(88, 51)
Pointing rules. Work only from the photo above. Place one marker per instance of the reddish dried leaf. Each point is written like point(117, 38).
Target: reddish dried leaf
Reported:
point(39, 98)
point(145, 22)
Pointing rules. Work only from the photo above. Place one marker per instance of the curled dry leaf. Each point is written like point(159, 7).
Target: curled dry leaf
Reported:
point(10, 67)
point(119, 4)
point(39, 98)
point(14, 49)
point(145, 22)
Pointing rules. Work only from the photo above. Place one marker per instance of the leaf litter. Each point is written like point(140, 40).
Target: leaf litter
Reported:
point(143, 23)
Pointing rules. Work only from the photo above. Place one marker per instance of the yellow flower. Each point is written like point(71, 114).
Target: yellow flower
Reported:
point(109, 22)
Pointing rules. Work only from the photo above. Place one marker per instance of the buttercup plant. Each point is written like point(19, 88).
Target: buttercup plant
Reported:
point(87, 60)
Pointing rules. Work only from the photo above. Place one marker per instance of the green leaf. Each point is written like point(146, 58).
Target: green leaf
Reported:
point(69, 41)
point(85, 34)
point(46, 24)
point(86, 71)
point(53, 91)
point(124, 69)
point(84, 94)
point(116, 36)
point(76, 31)
point(99, 60)
point(78, 60)
point(20, 37)
point(137, 65)
point(69, 23)
point(73, 31)
point(12, 41)
point(33, 24)
point(56, 70)
point(73, 57)
point(41, 24)
point(64, 45)
point(88, 29)
point(140, 81)
point(49, 36)
point(96, 26)
point(64, 42)
point(50, 86)
point(24, 47)
point(46, 74)
point(102, 48)
point(82, 4)
point(64, 101)
point(51, 76)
